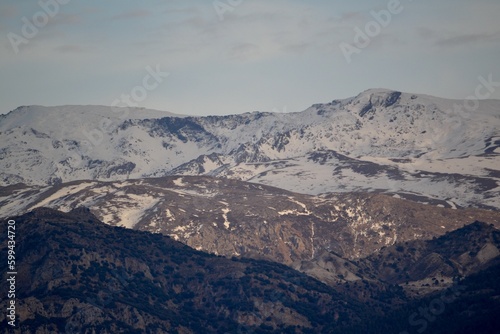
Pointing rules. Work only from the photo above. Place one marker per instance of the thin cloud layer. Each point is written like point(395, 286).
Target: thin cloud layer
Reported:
point(132, 14)
point(292, 46)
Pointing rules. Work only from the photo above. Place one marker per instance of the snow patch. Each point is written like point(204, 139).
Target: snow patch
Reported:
point(129, 215)
point(179, 182)
point(227, 224)
point(62, 193)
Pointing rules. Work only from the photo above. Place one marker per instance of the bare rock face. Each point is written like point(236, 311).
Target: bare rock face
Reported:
point(234, 218)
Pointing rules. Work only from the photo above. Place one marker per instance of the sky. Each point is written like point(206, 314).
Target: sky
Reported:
point(218, 57)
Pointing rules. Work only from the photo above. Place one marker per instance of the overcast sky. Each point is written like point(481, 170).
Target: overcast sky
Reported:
point(235, 56)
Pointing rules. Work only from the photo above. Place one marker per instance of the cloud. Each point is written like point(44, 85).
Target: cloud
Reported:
point(296, 48)
point(187, 11)
point(352, 16)
point(132, 14)
point(66, 19)
point(448, 39)
point(9, 11)
point(427, 33)
point(467, 39)
point(244, 51)
point(68, 48)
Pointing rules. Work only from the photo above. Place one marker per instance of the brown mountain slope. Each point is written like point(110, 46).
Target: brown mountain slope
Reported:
point(234, 218)
point(420, 267)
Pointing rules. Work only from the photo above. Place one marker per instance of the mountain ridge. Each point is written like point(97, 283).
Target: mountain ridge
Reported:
point(406, 144)
point(235, 218)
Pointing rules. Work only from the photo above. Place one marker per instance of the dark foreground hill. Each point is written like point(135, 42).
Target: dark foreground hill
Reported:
point(470, 306)
point(78, 275)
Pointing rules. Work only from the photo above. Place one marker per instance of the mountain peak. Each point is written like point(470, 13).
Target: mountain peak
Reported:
point(370, 99)
point(376, 91)
point(385, 97)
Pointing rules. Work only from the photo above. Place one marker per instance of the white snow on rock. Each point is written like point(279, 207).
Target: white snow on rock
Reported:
point(380, 140)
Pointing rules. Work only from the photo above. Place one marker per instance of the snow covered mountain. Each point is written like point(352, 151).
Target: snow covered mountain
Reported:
point(415, 146)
